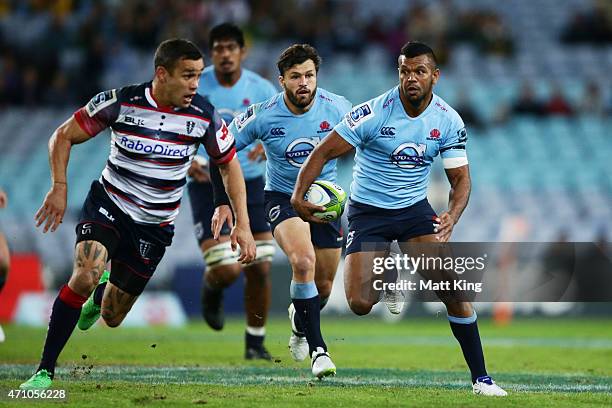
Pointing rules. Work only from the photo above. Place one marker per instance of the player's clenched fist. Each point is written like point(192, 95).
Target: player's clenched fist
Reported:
point(53, 208)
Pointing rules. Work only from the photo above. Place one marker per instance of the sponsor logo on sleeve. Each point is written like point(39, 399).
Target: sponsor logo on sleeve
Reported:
point(101, 101)
point(359, 115)
point(247, 117)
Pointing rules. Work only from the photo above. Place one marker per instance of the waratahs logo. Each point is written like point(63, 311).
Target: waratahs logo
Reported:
point(298, 151)
point(409, 155)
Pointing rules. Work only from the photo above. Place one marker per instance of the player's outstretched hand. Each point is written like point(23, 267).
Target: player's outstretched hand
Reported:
point(52, 209)
point(241, 235)
point(306, 210)
point(446, 223)
point(3, 199)
point(257, 154)
point(222, 214)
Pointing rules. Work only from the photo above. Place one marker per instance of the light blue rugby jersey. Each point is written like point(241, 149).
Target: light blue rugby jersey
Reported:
point(289, 138)
point(394, 152)
point(230, 102)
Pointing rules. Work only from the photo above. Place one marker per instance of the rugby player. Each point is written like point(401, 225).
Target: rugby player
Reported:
point(290, 125)
point(231, 89)
point(127, 217)
point(397, 135)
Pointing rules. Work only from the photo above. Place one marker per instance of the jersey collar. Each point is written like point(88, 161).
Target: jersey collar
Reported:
point(151, 100)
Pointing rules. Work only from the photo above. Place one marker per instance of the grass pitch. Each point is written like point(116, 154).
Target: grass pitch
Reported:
point(416, 362)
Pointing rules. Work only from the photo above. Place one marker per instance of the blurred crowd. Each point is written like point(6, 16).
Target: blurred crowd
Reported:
point(56, 52)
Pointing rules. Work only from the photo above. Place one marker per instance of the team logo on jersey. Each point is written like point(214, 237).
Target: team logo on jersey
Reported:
point(324, 127)
point(359, 115)
point(247, 117)
point(409, 155)
point(274, 213)
point(144, 248)
point(225, 138)
point(434, 134)
point(298, 151)
point(277, 131)
point(101, 101)
point(387, 131)
point(190, 125)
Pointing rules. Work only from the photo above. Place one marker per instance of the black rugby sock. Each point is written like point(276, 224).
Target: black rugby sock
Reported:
point(305, 298)
point(466, 332)
point(64, 316)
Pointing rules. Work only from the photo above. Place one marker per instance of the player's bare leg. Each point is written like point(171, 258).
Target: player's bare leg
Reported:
point(293, 236)
point(462, 319)
point(5, 262)
point(257, 293)
point(116, 303)
point(326, 265)
point(89, 263)
point(359, 280)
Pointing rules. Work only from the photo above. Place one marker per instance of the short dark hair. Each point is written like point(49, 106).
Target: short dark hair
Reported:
point(171, 51)
point(414, 48)
point(298, 54)
point(225, 31)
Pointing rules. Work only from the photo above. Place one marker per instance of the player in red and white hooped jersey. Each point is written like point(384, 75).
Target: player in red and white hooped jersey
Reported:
point(152, 147)
point(156, 129)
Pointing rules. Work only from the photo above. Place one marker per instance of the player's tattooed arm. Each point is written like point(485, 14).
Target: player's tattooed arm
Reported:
point(461, 185)
point(52, 210)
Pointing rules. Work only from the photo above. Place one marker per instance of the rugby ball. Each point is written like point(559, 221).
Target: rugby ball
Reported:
point(328, 195)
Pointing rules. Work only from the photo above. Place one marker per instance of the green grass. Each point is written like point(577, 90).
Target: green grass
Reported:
point(417, 362)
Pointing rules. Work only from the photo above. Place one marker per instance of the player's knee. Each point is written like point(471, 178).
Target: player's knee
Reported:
point(112, 319)
point(302, 265)
point(458, 309)
point(84, 280)
point(222, 276)
point(360, 306)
